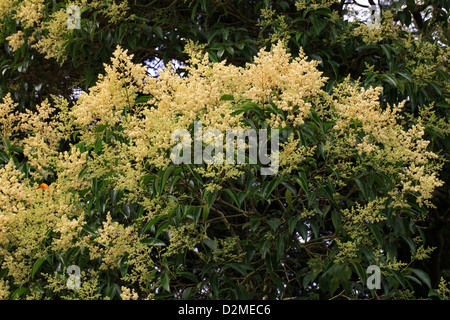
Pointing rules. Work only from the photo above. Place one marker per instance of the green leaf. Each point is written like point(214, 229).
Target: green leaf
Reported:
point(274, 223)
point(308, 278)
point(250, 106)
point(406, 76)
point(166, 176)
point(288, 197)
point(434, 293)
point(377, 234)
point(211, 35)
point(226, 97)
point(165, 281)
point(240, 293)
point(19, 292)
point(414, 279)
point(36, 266)
point(131, 41)
point(211, 244)
point(361, 188)
point(186, 295)
point(196, 212)
point(303, 230)
point(337, 220)
point(159, 32)
point(240, 267)
point(150, 223)
point(205, 212)
point(123, 266)
point(212, 56)
point(225, 32)
point(360, 272)
point(142, 99)
point(386, 51)
point(314, 227)
point(113, 195)
point(301, 180)
point(98, 146)
point(268, 188)
point(318, 25)
point(233, 196)
point(153, 242)
point(435, 87)
point(189, 275)
point(410, 243)
point(281, 245)
point(162, 228)
point(422, 276)
point(335, 66)
point(443, 75)
point(264, 248)
point(391, 80)
point(214, 281)
point(399, 277)
point(369, 78)
point(101, 127)
point(141, 18)
point(293, 223)
point(274, 109)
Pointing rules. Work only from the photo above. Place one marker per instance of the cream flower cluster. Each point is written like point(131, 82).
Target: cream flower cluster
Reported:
point(383, 139)
point(8, 117)
point(16, 40)
point(52, 28)
point(126, 144)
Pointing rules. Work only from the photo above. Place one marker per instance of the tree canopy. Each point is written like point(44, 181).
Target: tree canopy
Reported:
point(359, 110)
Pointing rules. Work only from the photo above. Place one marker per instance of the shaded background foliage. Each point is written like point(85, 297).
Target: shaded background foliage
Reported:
point(234, 31)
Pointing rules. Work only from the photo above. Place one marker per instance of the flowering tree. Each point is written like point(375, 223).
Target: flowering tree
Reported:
point(118, 218)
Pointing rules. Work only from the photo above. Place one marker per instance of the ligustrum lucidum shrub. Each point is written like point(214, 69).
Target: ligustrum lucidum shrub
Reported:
point(121, 220)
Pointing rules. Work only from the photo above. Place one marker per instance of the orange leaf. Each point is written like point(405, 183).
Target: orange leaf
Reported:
point(43, 186)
